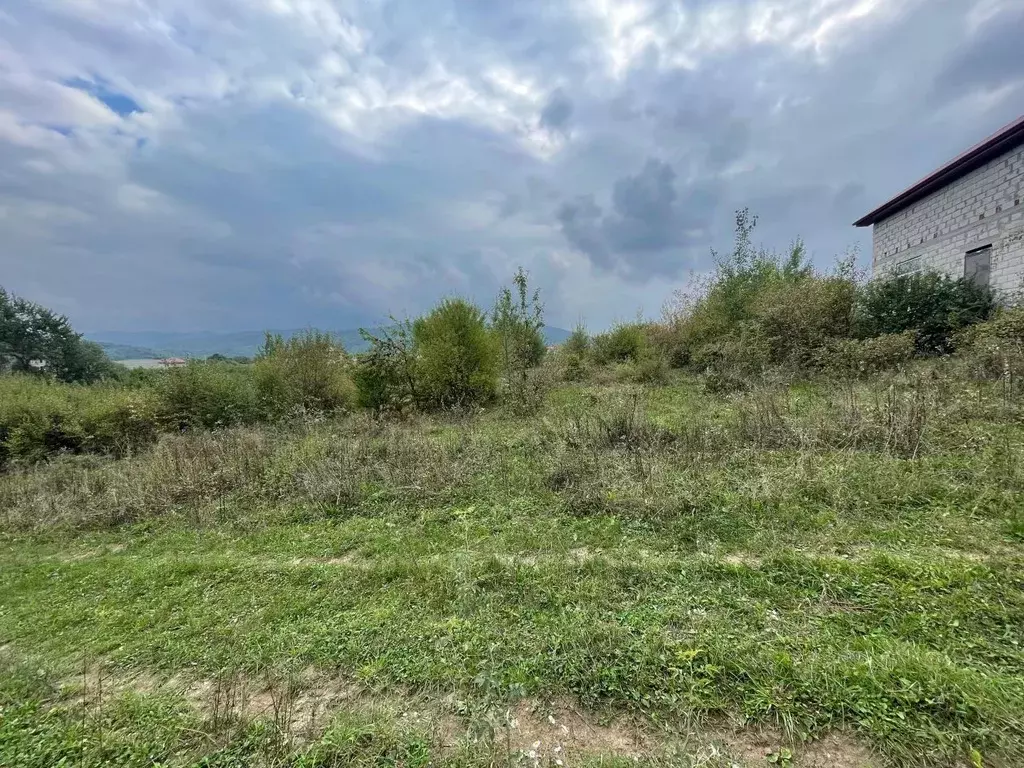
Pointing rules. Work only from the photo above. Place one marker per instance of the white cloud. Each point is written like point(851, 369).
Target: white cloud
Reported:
point(297, 161)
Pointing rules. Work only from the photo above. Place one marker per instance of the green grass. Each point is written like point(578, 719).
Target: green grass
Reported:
point(679, 558)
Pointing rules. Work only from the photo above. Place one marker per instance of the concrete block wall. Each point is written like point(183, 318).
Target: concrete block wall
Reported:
point(985, 207)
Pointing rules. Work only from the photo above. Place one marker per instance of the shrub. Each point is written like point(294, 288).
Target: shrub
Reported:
point(39, 418)
point(744, 353)
point(207, 394)
point(517, 324)
point(626, 342)
point(308, 372)
point(796, 317)
point(860, 357)
point(934, 305)
point(995, 349)
point(758, 309)
point(652, 368)
point(385, 376)
point(578, 343)
point(457, 358)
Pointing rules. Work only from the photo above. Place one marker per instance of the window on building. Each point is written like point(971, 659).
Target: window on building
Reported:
point(907, 266)
point(978, 265)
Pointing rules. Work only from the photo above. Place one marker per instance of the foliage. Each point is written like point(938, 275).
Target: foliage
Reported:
point(386, 375)
point(34, 339)
point(862, 357)
point(517, 323)
point(758, 309)
point(308, 372)
point(995, 349)
point(39, 418)
point(625, 342)
point(207, 395)
point(578, 342)
point(934, 305)
point(457, 357)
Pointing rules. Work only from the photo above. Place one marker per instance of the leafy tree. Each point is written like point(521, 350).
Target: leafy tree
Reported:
point(385, 375)
point(33, 339)
point(457, 358)
point(517, 320)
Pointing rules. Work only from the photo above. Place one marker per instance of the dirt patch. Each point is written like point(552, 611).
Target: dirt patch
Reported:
point(834, 750)
point(560, 734)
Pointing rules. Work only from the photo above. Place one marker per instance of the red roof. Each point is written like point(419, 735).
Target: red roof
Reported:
point(999, 143)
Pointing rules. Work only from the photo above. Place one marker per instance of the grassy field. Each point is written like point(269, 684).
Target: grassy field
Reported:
point(799, 576)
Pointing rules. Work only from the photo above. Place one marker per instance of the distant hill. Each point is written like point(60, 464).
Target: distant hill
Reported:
point(128, 352)
point(132, 345)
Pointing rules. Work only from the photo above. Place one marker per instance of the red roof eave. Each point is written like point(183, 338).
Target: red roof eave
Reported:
point(997, 144)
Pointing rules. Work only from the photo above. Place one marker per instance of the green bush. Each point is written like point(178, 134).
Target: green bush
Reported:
point(744, 353)
point(995, 349)
point(797, 316)
point(385, 376)
point(578, 343)
point(39, 418)
point(625, 342)
point(207, 394)
point(934, 305)
point(308, 372)
point(861, 357)
point(758, 309)
point(652, 368)
point(456, 356)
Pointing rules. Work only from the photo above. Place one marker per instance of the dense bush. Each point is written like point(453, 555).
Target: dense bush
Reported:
point(625, 342)
point(456, 356)
point(386, 376)
point(39, 418)
point(308, 372)
point(207, 394)
point(861, 357)
point(758, 309)
point(995, 349)
point(932, 304)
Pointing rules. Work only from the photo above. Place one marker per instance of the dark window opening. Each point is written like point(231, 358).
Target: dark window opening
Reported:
point(978, 265)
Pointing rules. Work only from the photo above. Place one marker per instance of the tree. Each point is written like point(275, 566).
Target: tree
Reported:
point(456, 356)
point(33, 339)
point(386, 374)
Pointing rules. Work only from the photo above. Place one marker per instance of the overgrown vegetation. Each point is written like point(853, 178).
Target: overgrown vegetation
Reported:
point(772, 521)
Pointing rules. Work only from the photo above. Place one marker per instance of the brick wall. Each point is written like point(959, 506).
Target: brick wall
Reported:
point(985, 207)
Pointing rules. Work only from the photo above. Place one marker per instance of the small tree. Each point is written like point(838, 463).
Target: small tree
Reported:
point(385, 375)
point(517, 322)
point(457, 358)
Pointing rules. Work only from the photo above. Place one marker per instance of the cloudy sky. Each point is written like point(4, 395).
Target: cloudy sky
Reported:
point(241, 164)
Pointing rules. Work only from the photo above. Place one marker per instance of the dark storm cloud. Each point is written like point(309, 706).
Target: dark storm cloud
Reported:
point(557, 111)
point(991, 58)
point(646, 227)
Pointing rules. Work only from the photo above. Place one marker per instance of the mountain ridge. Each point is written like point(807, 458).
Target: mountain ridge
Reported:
point(128, 345)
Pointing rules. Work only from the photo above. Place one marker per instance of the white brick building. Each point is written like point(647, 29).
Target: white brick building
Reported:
point(965, 219)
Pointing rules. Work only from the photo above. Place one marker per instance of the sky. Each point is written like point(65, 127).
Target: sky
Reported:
point(230, 165)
